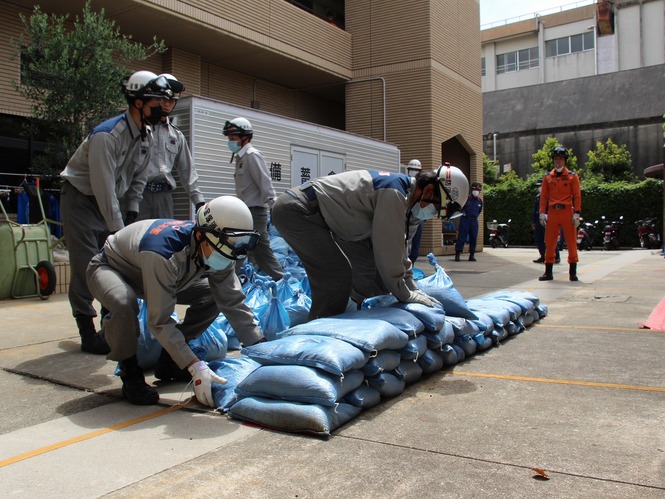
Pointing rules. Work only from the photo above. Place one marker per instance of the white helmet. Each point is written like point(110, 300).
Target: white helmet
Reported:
point(175, 85)
point(453, 190)
point(239, 126)
point(226, 223)
point(146, 84)
point(414, 164)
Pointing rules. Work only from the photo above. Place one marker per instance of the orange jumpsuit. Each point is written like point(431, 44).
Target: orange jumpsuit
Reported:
point(560, 198)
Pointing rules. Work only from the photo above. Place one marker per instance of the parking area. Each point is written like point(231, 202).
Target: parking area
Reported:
point(579, 395)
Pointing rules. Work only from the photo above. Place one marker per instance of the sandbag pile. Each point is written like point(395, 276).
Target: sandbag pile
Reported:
point(314, 377)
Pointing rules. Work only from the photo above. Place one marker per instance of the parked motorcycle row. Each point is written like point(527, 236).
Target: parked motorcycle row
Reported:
point(647, 231)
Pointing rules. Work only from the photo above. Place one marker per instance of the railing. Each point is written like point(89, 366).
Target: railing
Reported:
point(532, 15)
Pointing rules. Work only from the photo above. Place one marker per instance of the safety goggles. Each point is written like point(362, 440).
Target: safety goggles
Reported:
point(157, 88)
point(231, 243)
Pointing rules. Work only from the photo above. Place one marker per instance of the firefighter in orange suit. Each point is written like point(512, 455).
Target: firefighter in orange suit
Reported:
point(560, 208)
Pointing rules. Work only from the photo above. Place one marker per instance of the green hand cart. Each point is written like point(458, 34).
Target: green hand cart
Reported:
point(26, 258)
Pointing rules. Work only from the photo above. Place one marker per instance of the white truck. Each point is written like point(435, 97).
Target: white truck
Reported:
point(295, 151)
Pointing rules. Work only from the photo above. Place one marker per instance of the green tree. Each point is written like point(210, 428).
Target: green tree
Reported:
point(490, 170)
point(72, 74)
point(542, 158)
point(610, 162)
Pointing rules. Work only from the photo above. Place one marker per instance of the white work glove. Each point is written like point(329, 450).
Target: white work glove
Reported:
point(576, 220)
point(543, 219)
point(419, 296)
point(203, 378)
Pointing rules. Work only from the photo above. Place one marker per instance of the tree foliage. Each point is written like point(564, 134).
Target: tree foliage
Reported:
point(542, 158)
point(490, 170)
point(71, 72)
point(610, 162)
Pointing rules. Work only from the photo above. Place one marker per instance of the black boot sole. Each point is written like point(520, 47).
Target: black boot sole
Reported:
point(149, 396)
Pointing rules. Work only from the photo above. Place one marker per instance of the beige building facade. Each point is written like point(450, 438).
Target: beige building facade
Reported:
point(403, 72)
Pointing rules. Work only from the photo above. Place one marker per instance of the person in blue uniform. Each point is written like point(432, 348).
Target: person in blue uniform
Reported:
point(468, 225)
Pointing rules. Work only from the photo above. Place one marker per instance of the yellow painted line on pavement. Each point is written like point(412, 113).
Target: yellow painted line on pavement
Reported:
point(603, 328)
point(88, 436)
point(559, 381)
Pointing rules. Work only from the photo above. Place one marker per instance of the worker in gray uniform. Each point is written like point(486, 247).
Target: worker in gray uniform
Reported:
point(168, 262)
point(110, 164)
point(350, 231)
point(254, 187)
point(169, 151)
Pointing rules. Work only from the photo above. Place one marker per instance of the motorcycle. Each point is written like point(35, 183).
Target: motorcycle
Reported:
point(647, 231)
point(585, 235)
point(611, 233)
point(498, 233)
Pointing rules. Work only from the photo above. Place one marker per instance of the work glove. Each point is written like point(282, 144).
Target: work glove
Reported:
point(130, 217)
point(576, 220)
point(543, 219)
point(423, 298)
point(198, 205)
point(203, 378)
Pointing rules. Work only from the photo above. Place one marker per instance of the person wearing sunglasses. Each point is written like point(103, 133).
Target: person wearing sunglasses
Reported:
point(168, 262)
point(109, 165)
point(350, 231)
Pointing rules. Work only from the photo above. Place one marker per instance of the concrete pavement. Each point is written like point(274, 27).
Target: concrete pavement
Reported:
point(580, 394)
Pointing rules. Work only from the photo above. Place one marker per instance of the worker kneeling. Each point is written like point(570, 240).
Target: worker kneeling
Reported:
point(168, 262)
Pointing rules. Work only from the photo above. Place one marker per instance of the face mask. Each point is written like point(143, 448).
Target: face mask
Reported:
point(217, 262)
point(412, 173)
point(425, 213)
point(558, 169)
point(156, 114)
point(475, 193)
point(233, 146)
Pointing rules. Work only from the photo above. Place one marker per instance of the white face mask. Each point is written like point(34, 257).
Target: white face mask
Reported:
point(425, 213)
point(558, 169)
point(475, 193)
point(412, 173)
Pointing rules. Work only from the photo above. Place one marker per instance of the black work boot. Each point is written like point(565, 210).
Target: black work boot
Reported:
point(472, 258)
point(134, 387)
point(167, 370)
point(457, 256)
point(572, 272)
point(91, 340)
point(547, 276)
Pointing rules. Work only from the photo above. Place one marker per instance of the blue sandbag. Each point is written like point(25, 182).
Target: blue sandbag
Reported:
point(431, 361)
point(462, 326)
point(299, 384)
point(330, 354)
point(213, 342)
point(234, 370)
point(385, 360)
point(387, 384)
point(364, 396)
point(440, 286)
point(499, 314)
point(449, 355)
point(483, 342)
point(409, 371)
point(484, 322)
point(467, 344)
point(293, 417)
point(431, 317)
point(414, 348)
point(401, 319)
point(507, 295)
point(461, 355)
point(371, 336)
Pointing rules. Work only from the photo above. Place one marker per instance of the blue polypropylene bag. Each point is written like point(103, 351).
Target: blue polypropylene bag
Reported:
point(273, 317)
point(431, 361)
point(385, 360)
point(364, 396)
point(234, 370)
point(148, 348)
point(401, 319)
point(330, 354)
point(213, 342)
point(409, 371)
point(414, 348)
point(371, 335)
point(440, 286)
point(387, 384)
point(431, 317)
point(293, 417)
point(299, 384)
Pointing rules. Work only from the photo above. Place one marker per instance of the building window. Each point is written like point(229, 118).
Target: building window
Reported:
point(569, 44)
point(482, 66)
point(517, 61)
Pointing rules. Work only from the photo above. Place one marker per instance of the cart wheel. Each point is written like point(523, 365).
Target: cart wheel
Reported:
point(47, 278)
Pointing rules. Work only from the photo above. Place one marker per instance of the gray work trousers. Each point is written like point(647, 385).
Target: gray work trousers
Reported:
point(85, 233)
point(263, 255)
point(302, 226)
point(121, 327)
point(156, 205)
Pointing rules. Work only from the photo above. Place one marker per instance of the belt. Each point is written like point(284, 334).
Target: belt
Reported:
point(559, 206)
point(156, 187)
